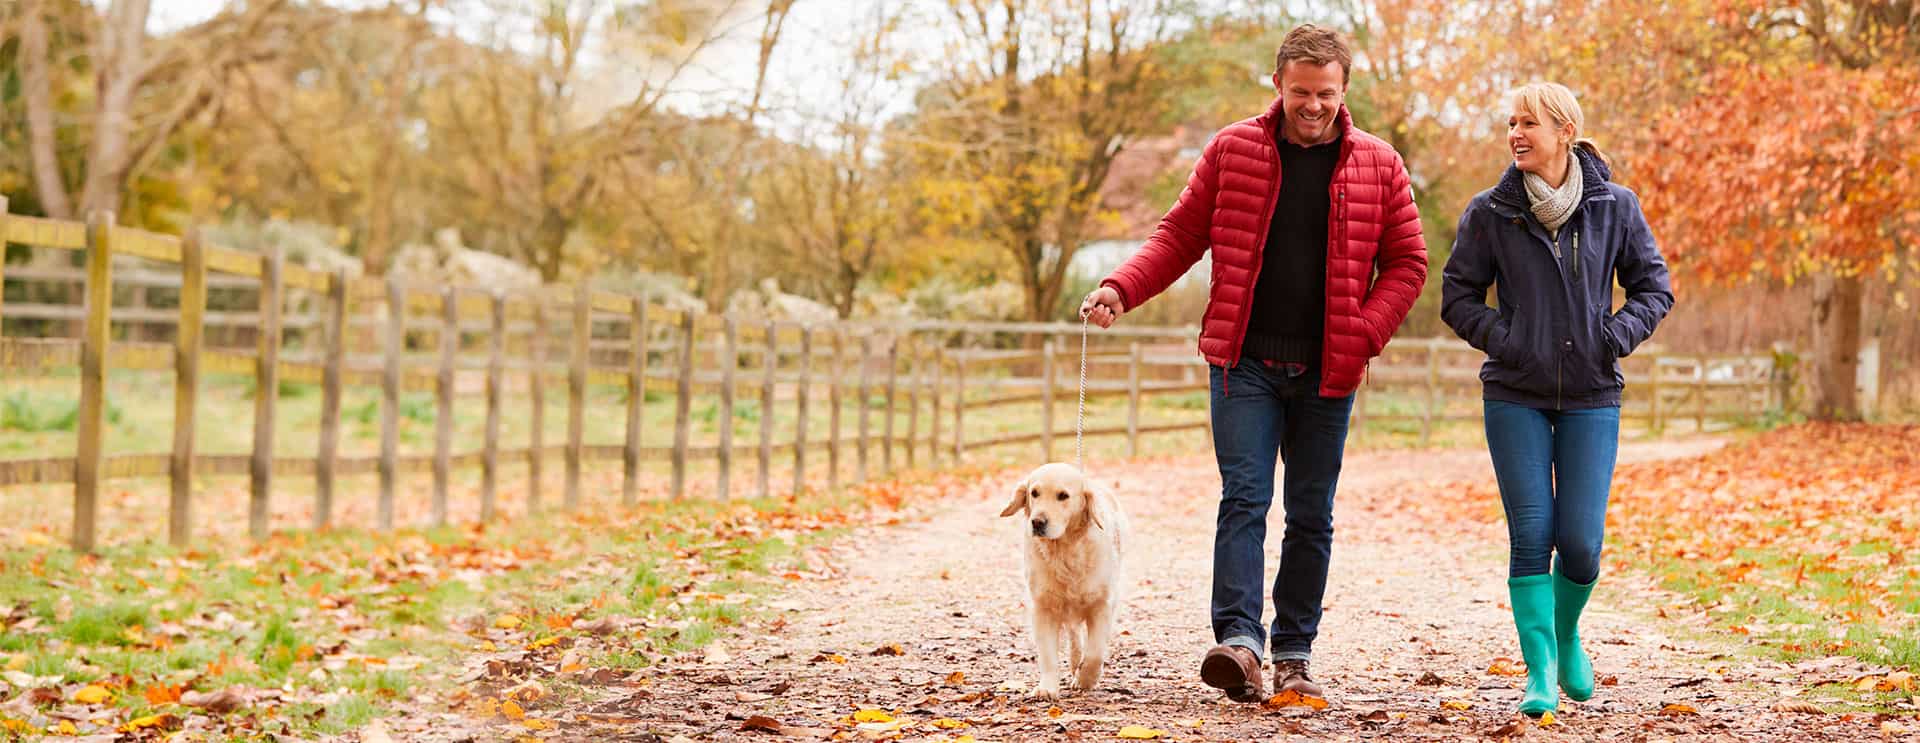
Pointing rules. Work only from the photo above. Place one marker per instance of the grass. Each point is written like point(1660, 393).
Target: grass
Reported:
point(347, 625)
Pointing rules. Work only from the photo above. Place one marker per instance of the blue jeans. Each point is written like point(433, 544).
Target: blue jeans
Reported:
point(1273, 410)
point(1554, 469)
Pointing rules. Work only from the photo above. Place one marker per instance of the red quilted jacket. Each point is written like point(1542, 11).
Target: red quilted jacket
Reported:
point(1228, 206)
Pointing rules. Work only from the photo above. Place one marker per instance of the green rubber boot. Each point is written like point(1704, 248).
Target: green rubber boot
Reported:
point(1532, 599)
point(1576, 671)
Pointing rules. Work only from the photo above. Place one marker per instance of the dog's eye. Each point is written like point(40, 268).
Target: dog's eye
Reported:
point(1034, 493)
point(1062, 495)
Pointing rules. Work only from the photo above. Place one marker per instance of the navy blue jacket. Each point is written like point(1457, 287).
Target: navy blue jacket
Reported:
point(1555, 341)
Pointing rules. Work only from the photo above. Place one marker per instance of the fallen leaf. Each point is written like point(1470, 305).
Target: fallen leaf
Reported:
point(512, 711)
point(1291, 698)
point(535, 723)
point(872, 715)
point(1508, 730)
point(66, 728)
point(1889, 727)
point(1796, 705)
point(1507, 667)
point(92, 694)
point(1372, 715)
point(158, 694)
point(1547, 719)
point(762, 723)
point(507, 621)
point(219, 702)
point(750, 697)
point(956, 679)
point(1457, 704)
point(1136, 732)
point(1676, 709)
point(1897, 681)
point(717, 654)
point(161, 721)
point(890, 649)
point(1055, 712)
point(1430, 679)
point(948, 723)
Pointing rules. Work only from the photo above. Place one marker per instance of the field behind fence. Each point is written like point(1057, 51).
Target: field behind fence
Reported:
point(303, 385)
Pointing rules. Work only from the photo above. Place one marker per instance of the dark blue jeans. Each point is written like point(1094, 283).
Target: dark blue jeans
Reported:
point(1274, 411)
point(1555, 469)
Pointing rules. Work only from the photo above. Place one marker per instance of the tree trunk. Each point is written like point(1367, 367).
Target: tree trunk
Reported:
point(1836, 346)
point(120, 58)
point(48, 182)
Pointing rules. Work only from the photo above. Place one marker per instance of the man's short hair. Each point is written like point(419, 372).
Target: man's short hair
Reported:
point(1317, 44)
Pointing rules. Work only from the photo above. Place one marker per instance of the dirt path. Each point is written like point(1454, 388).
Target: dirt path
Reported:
point(1404, 601)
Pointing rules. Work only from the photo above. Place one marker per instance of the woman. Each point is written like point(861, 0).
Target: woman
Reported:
point(1552, 236)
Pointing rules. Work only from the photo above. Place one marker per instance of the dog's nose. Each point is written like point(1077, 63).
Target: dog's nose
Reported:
point(1039, 527)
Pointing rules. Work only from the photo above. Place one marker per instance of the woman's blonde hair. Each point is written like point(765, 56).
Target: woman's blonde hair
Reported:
point(1555, 103)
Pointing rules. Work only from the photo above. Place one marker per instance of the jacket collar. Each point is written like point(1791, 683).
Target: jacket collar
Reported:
point(1276, 115)
point(1594, 175)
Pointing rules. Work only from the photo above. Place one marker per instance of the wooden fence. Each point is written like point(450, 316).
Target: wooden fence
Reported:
point(593, 337)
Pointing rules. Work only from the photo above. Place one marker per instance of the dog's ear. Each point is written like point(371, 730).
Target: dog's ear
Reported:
point(1019, 502)
point(1094, 506)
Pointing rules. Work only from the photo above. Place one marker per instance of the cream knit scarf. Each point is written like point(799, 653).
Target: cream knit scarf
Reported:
point(1553, 206)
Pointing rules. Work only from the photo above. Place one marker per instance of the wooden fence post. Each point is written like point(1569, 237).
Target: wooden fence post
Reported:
point(835, 372)
point(1433, 391)
point(91, 426)
point(1133, 399)
point(186, 386)
point(683, 406)
point(636, 401)
point(443, 403)
point(860, 406)
point(537, 388)
point(266, 392)
point(390, 398)
point(1699, 394)
point(770, 362)
point(1046, 400)
point(496, 360)
point(801, 393)
point(3, 243)
point(886, 429)
point(959, 406)
point(933, 394)
point(729, 358)
point(331, 383)
point(577, 389)
point(915, 378)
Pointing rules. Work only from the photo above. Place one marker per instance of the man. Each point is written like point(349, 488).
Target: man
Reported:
point(1300, 209)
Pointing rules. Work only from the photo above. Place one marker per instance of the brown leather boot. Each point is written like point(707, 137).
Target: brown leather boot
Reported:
point(1291, 675)
point(1235, 670)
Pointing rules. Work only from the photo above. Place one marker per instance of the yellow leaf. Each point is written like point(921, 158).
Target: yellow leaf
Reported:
point(1291, 698)
point(488, 646)
point(543, 643)
point(66, 728)
point(150, 721)
point(948, 723)
point(17, 662)
point(1459, 704)
point(872, 715)
point(92, 694)
point(571, 667)
point(1507, 667)
point(1868, 683)
point(1136, 732)
point(1547, 719)
point(507, 621)
point(535, 723)
point(512, 711)
point(16, 726)
point(837, 658)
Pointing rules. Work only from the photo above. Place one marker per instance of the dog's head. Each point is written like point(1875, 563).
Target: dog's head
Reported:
point(1055, 498)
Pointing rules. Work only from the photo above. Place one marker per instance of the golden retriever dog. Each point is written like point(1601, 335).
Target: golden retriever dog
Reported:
point(1074, 537)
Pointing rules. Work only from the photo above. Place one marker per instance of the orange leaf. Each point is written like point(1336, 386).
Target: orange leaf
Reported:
point(1507, 667)
point(512, 711)
point(1291, 698)
point(1675, 709)
point(158, 694)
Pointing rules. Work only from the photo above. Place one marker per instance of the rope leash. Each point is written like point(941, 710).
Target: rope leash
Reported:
point(1080, 417)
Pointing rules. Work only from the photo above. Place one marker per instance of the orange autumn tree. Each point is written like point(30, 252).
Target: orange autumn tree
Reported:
point(1802, 164)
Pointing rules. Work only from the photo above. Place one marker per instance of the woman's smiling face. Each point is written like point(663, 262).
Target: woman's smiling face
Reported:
point(1536, 144)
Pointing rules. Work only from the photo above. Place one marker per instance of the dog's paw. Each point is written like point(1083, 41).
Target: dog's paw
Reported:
point(1086, 679)
point(1046, 692)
